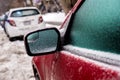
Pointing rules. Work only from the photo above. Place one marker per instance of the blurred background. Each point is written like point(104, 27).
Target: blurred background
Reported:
point(44, 6)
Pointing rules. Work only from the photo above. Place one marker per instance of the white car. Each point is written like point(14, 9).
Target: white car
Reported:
point(20, 21)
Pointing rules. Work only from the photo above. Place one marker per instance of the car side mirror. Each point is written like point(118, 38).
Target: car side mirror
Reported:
point(42, 41)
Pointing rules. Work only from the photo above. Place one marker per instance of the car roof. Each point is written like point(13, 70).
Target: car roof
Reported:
point(14, 9)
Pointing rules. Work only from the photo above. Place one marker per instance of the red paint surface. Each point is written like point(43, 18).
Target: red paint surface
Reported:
point(62, 66)
point(74, 68)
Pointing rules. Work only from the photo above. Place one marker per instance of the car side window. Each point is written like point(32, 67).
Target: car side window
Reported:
point(96, 25)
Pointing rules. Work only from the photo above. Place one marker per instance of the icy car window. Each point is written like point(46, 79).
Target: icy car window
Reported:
point(44, 41)
point(97, 26)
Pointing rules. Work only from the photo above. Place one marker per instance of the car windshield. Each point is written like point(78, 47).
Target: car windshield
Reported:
point(96, 25)
point(25, 12)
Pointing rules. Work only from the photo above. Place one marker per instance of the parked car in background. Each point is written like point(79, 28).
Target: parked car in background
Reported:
point(19, 21)
point(87, 46)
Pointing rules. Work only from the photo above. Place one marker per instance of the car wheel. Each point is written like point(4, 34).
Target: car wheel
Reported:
point(36, 75)
point(12, 38)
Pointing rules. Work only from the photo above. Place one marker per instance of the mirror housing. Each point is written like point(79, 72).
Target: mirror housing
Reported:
point(42, 42)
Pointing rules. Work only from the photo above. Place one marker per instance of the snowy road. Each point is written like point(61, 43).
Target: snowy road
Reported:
point(15, 64)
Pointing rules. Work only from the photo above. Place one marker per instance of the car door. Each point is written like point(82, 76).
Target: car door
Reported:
point(91, 44)
point(49, 61)
point(75, 67)
point(44, 65)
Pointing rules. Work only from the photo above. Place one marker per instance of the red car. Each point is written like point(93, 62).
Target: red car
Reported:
point(87, 47)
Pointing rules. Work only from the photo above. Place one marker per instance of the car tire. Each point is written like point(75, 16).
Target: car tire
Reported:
point(36, 75)
point(12, 39)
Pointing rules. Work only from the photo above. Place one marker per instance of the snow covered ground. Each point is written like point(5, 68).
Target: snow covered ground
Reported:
point(15, 64)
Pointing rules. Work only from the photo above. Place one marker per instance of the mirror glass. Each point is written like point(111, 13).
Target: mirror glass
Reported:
point(42, 41)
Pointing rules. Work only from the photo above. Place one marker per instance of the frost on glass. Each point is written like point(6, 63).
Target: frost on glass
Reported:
point(97, 26)
point(43, 41)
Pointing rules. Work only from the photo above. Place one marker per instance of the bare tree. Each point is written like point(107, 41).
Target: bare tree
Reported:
point(5, 5)
point(67, 4)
